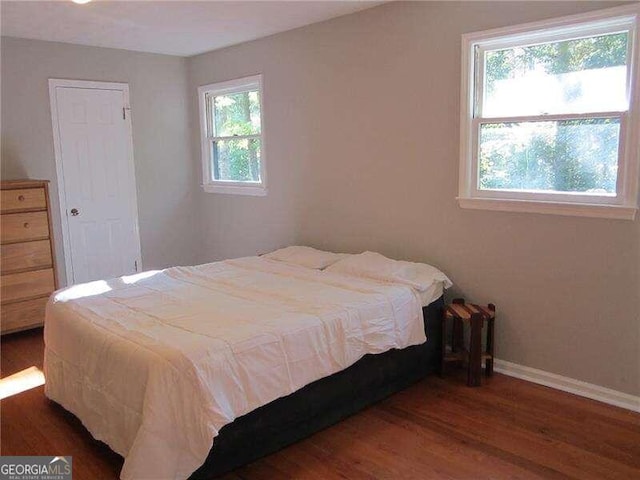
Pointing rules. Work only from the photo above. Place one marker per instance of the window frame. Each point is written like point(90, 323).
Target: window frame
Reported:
point(209, 183)
point(622, 205)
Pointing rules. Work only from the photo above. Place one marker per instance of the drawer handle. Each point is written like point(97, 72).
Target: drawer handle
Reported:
point(26, 224)
point(21, 198)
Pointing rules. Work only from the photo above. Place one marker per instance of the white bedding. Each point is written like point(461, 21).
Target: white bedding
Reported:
point(156, 364)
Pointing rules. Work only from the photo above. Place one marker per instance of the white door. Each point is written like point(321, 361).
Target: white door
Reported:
point(97, 194)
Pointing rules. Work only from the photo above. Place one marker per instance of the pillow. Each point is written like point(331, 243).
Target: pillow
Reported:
point(305, 257)
point(420, 276)
point(423, 275)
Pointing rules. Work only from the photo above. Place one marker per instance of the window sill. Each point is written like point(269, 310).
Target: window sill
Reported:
point(253, 190)
point(620, 212)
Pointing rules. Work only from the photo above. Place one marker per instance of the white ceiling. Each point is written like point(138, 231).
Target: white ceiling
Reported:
point(178, 27)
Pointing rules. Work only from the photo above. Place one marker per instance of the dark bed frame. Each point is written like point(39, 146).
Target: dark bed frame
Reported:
point(324, 402)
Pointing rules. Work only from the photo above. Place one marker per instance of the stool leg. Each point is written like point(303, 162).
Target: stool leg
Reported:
point(443, 345)
point(475, 351)
point(457, 335)
point(488, 369)
point(457, 331)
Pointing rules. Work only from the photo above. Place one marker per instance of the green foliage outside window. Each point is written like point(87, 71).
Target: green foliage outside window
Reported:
point(566, 155)
point(562, 156)
point(237, 159)
point(557, 58)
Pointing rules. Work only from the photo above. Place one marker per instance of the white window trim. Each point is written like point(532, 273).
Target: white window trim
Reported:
point(622, 206)
point(221, 186)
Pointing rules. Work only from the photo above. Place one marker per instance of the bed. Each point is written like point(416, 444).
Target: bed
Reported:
point(193, 371)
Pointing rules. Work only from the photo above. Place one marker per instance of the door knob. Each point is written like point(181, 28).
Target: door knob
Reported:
point(75, 212)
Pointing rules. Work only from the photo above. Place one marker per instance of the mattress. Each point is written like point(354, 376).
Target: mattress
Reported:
point(156, 364)
point(325, 402)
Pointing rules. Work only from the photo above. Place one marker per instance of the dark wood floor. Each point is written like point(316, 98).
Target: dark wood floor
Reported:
point(437, 429)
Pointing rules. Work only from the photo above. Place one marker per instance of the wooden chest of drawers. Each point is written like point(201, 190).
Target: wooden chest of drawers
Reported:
point(27, 262)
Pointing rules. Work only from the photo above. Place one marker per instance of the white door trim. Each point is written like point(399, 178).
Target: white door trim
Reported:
point(124, 88)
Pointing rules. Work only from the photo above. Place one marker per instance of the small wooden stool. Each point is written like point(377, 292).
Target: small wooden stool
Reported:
point(475, 316)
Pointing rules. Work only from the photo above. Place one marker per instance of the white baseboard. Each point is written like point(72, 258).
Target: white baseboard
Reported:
point(566, 384)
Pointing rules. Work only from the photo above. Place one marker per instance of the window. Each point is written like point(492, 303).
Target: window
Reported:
point(550, 117)
point(231, 125)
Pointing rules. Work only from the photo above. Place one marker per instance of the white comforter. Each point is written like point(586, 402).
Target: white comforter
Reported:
point(156, 364)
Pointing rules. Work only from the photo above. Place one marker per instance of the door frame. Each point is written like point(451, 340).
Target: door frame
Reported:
point(85, 84)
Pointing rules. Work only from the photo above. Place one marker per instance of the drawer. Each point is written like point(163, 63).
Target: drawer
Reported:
point(22, 315)
point(23, 199)
point(17, 227)
point(21, 286)
point(17, 257)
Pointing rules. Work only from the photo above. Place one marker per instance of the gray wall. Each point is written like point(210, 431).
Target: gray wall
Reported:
point(361, 122)
point(165, 176)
